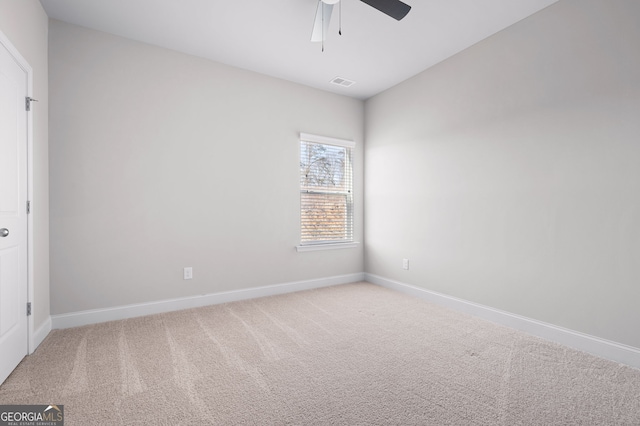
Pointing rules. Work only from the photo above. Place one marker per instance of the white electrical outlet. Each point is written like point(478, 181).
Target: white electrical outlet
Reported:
point(405, 264)
point(188, 273)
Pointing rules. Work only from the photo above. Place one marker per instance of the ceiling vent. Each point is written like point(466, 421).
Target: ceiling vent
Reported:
point(343, 82)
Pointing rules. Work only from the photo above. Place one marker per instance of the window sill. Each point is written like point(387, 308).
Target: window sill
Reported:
point(328, 246)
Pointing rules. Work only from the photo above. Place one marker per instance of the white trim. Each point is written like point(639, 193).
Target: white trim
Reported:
point(22, 62)
point(41, 333)
point(328, 246)
point(613, 351)
point(307, 137)
point(94, 316)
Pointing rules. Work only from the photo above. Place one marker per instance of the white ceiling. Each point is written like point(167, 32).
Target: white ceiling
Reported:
point(273, 37)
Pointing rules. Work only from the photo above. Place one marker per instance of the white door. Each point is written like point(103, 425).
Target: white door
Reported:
point(13, 214)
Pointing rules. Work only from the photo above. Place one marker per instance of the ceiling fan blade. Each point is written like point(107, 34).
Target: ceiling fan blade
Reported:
point(319, 33)
point(394, 8)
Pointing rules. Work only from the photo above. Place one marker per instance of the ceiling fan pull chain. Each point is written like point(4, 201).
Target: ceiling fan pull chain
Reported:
point(322, 25)
point(340, 17)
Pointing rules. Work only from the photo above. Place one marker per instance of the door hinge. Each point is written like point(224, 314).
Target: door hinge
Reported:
point(27, 102)
point(28, 207)
point(28, 308)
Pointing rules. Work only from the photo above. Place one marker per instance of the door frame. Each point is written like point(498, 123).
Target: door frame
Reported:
point(22, 63)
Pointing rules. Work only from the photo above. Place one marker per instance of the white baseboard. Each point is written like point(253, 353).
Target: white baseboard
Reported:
point(600, 347)
point(94, 316)
point(594, 345)
point(39, 335)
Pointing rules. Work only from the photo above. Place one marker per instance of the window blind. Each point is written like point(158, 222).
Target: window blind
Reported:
point(326, 190)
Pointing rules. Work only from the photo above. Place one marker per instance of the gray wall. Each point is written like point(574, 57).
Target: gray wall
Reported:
point(509, 174)
point(26, 24)
point(161, 160)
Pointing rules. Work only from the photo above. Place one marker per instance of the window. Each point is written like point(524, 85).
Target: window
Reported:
point(326, 190)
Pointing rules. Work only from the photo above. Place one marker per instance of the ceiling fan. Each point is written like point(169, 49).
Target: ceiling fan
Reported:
point(393, 8)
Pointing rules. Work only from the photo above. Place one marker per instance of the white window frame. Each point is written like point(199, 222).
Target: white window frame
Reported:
point(329, 245)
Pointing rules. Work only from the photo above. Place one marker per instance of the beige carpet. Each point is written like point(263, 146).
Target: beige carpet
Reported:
point(355, 354)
